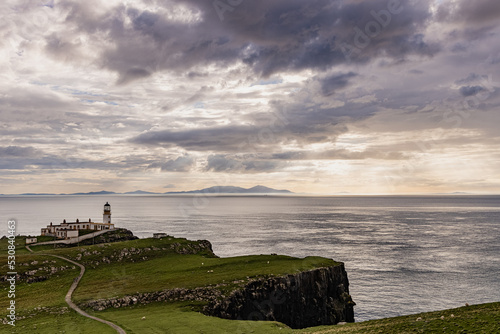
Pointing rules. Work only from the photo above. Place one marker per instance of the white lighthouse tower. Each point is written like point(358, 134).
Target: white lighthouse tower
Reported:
point(106, 216)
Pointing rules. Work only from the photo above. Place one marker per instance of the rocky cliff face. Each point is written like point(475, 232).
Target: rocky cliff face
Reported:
point(311, 298)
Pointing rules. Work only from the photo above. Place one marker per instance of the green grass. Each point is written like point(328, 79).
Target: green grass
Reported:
point(158, 268)
point(484, 318)
point(110, 248)
point(187, 271)
point(48, 293)
point(19, 243)
point(179, 318)
point(49, 323)
point(162, 268)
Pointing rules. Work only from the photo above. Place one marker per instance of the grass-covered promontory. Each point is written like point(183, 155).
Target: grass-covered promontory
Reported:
point(127, 268)
point(148, 265)
point(139, 266)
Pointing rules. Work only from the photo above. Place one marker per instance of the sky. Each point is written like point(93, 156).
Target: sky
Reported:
point(313, 96)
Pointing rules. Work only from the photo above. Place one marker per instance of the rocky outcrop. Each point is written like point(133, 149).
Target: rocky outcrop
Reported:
point(310, 298)
point(36, 271)
point(116, 235)
point(102, 256)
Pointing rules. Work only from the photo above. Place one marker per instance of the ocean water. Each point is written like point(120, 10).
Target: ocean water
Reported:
point(403, 255)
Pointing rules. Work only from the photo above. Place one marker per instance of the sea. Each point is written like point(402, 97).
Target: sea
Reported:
point(403, 254)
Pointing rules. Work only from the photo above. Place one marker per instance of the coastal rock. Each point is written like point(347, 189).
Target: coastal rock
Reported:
point(310, 298)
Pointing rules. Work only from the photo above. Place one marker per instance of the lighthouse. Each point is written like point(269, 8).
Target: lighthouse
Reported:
point(69, 230)
point(106, 216)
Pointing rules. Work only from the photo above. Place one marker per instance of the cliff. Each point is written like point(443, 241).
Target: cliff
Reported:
point(310, 298)
point(316, 294)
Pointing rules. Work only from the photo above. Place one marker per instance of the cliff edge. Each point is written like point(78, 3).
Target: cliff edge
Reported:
point(310, 298)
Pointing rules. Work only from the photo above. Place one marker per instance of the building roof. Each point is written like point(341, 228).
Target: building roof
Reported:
point(83, 223)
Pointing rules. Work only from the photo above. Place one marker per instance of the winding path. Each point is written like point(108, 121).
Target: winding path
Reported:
point(73, 287)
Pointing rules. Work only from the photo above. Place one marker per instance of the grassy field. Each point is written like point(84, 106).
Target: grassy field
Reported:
point(179, 318)
point(53, 322)
point(122, 268)
point(484, 318)
point(147, 265)
point(187, 271)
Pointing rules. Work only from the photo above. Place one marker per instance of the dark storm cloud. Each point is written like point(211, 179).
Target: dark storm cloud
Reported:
point(294, 35)
point(470, 90)
point(268, 36)
point(334, 82)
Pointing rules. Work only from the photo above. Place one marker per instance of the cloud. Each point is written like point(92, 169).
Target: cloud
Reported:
point(116, 88)
point(228, 164)
point(132, 75)
point(269, 37)
point(17, 151)
point(470, 90)
point(221, 138)
point(472, 77)
point(335, 82)
point(339, 154)
point(479, 11)
point(64, 50)
point(181, 164)
point(221, 163)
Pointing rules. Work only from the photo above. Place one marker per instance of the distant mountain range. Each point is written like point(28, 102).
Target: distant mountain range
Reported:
point(234, 190)
point(211, 190)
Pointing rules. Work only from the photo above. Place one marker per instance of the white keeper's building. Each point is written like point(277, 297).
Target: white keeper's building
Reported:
point(70, 230)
